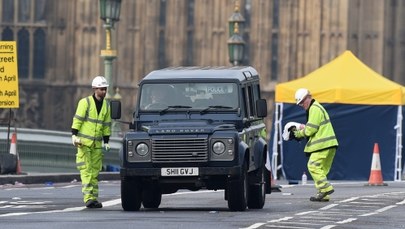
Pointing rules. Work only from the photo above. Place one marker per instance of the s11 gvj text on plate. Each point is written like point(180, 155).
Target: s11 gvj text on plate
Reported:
point(192, 171)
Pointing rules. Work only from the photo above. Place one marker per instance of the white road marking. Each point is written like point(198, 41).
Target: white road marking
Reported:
point(350, 202)
point(288, 226)
point(193, 192)
point(15, 214)
point(71, 186)
point(306, 213)
point(347, 220)
point(105, 204)
point(112, 202)
point(379, 210)
point(328, 226)
point(280, 220)
point(254, 226)
point(400, 203)
point(329, 206)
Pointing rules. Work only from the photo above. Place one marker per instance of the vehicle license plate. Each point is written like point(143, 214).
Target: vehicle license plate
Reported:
point(179, 171)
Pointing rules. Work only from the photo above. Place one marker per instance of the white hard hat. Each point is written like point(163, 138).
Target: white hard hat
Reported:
point(300, 95)
point(98, 82)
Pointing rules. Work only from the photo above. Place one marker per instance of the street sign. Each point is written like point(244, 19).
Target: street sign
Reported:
point(9, 96)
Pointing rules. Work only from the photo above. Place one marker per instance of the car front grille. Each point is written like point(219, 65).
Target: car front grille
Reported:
point(175, 150)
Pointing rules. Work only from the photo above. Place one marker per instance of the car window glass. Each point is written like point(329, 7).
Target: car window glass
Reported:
point(195, 95)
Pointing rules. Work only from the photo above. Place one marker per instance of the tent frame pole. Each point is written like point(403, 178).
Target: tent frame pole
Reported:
point(398, 146)
point(277, 142)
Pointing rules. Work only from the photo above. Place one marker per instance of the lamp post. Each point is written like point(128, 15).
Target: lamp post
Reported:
point(235, 17)
point(236, 46)
point(109, 13)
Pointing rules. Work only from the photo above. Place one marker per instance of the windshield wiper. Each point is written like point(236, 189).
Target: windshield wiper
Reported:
point(214, 107)
point(173, 107)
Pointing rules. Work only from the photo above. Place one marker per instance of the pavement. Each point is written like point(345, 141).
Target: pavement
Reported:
point(38, 178)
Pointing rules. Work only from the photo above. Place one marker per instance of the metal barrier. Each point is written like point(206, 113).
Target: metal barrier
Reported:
point(47, 151)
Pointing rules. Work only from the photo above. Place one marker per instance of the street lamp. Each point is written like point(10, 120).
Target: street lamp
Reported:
point(235, 42)
point(236, 46)
point(109, 13)
point(235, 17)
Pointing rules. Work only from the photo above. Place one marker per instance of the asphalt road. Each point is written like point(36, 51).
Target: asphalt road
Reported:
point(39, 178)
point(59, 205)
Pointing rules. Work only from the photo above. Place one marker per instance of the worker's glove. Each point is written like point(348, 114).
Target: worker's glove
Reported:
point(107, 147)
point(289, 128)
point(298, 134)
point(76, 141)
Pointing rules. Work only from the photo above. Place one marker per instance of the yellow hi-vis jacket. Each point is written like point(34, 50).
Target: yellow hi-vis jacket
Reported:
point(318, 129)
point(92, 126)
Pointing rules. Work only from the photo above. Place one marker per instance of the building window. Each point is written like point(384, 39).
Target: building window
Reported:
point(24, 10)
point(40, 9)
point(25, 22)
point(39, 55)
point(8, 11)
point(23, 53)
point(7, 34)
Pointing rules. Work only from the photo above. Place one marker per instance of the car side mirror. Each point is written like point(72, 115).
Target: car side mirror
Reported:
point(261, 105)
point(115, 109)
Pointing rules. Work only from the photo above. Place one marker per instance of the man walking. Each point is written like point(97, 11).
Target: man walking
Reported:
point(322, 143)
point(91, 125)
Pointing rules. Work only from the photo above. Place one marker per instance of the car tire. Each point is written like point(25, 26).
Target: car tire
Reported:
point(237, 192)
point(131, 194)
point(257, 189)
point(151, 196)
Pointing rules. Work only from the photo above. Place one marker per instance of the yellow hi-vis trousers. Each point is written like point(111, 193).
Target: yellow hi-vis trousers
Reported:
point(319, 164)
point(89, 161)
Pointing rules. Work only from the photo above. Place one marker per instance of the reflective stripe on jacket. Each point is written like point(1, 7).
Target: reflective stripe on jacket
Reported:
point(92, 126)
point(319, 129)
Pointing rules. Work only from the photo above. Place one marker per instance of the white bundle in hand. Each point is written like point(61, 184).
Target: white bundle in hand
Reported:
point(289, 128)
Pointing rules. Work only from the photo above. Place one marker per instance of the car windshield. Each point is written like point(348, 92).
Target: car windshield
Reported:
point(197, 96)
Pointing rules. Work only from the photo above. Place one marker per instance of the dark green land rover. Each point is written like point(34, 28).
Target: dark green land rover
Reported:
point(196, 128)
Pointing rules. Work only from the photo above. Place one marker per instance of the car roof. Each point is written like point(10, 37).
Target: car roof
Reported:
point(241, 73)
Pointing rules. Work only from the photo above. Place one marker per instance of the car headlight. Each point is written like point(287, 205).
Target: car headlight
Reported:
point(222, 149)
point(218, 147)
point(142, 149)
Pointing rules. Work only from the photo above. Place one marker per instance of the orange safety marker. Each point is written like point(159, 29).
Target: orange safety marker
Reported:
point(376, 178)
point(13, 150)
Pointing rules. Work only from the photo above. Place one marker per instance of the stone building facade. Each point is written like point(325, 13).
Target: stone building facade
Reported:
point(59, 44)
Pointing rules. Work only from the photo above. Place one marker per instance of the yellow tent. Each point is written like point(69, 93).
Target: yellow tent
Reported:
point(365, 108)
point(345, 80)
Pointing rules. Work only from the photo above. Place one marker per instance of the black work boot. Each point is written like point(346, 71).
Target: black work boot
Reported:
point(93, 204)
point(321, 196)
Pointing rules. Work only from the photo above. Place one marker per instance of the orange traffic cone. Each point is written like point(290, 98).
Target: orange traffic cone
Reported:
point(375, 174)
point(13, 150)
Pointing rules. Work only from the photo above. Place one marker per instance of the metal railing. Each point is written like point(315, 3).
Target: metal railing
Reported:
point(52, 151)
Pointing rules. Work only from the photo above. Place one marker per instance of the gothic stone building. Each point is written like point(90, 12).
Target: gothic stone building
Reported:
point(59, 44)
